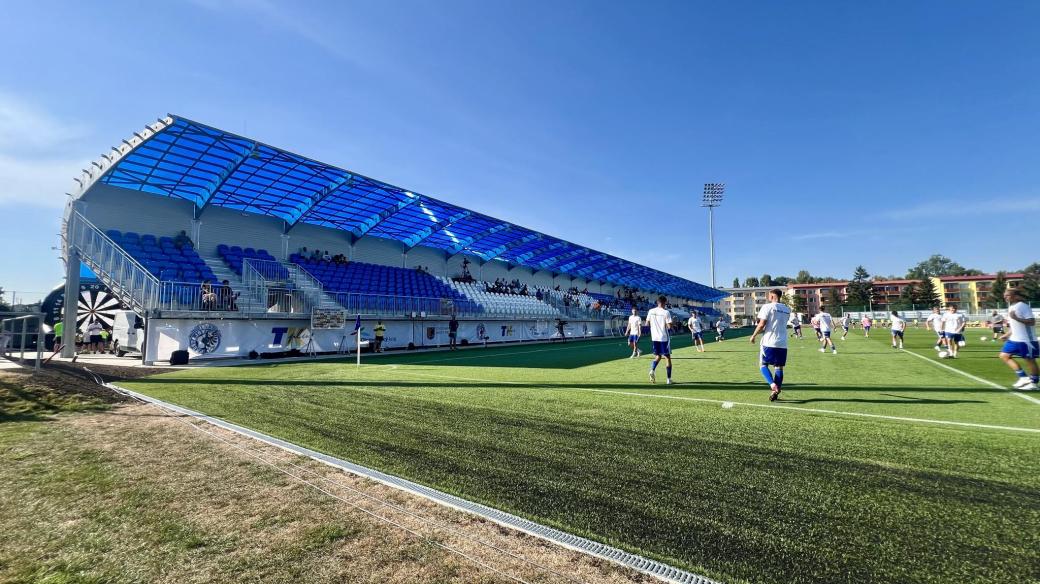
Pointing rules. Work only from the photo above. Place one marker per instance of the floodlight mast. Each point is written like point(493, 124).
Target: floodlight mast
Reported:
point(712, 198)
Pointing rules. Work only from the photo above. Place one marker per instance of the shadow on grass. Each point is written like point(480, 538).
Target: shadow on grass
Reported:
point(899, 399)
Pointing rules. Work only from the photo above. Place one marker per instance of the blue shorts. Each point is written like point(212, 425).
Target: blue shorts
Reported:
point(797, 327)
point(662, 348)
point(1030, 350)
point(866, 327)
point(774, 356)
point(697, 337)
point(897, 334)
point(955, 337)
point(844, 328)
point(827, 334)
point(633, 338)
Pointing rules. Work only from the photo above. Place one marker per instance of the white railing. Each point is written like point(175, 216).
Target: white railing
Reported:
point(385, 305)
point(272, 285)
point(124, 276)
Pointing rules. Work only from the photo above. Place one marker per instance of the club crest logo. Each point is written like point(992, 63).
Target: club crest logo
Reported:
point(204, 338)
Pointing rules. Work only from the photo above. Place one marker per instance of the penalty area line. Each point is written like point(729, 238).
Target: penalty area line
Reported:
point(974, 377)
point(746, 404)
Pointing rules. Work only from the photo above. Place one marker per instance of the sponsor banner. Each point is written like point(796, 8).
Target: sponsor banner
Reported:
point(208, 339)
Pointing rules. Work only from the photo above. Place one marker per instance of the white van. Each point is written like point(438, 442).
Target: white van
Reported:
point(127, 332)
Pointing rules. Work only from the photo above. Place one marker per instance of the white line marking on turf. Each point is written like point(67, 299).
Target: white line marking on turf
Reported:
point(719, 401)
point(976, 378)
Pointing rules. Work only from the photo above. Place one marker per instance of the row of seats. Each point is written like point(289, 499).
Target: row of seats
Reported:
point(373, 279)
point(163, 258)
point(234, 256)
point(504, 304)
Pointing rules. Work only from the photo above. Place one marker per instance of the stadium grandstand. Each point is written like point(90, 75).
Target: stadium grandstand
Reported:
point(229, 247)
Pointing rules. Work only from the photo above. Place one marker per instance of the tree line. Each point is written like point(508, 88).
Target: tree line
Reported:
point(860, 288)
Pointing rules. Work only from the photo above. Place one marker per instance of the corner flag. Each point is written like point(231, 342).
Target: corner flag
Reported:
point(357, 333)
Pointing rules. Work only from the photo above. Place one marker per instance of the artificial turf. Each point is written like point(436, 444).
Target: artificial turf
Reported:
point(575, 436)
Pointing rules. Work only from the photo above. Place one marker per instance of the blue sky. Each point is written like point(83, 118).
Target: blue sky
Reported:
point(848, 132)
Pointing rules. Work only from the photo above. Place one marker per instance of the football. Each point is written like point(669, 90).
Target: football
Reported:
point(943, 354)
point(961, 343)
point(983, 339)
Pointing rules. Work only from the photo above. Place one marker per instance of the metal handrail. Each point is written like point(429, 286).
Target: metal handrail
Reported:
point(125, 275)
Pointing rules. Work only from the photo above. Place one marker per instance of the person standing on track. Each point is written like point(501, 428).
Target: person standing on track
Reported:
point(1021, 341)
point(772, 324)
point(453, 333)
point(634, 330)
point(659, 318)
point(696, 332)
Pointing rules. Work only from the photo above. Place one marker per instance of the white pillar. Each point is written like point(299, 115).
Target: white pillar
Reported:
point(71, 309)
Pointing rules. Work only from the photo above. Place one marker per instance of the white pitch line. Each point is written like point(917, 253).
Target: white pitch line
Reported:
point(974, 377)
point(752, 405)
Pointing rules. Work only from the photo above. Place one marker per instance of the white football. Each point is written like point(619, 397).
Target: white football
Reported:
point(727, 405)
point(961, 343)
point(983, 339)
point(943, 354)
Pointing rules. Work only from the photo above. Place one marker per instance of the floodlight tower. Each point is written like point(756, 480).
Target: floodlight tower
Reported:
point(712, 198)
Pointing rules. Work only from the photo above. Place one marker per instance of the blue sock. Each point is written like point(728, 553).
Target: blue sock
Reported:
point(653, 365)
point(767, 374)
point(668, 371)
point(779, 377)
point(1020, 373)
point(1035, 378)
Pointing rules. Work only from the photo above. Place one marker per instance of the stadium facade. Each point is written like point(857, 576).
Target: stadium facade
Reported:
point(178, 209)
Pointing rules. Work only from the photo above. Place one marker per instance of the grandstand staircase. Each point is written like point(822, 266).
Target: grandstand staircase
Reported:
point(246, 302)
point(125, 278)
point(309, 286)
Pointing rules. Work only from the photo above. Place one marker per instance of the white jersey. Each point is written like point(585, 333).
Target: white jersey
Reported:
point(846, 321)
point(898, 324)
point(94, 328)
point(997, 320)
point(1021, 333)
point(776, 316)
point(935, 321)
point(659, 318)
point(635, 325)
point(824, 318)
point(694, 324)
point(796, 320)
point(953, 322)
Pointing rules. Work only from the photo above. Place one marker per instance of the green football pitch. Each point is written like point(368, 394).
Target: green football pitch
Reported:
point(877, 465)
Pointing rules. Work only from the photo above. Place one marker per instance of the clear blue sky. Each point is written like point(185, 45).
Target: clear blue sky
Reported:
point(872, 133)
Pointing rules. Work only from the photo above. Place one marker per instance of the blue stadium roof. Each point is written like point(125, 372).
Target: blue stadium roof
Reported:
point(177, 157)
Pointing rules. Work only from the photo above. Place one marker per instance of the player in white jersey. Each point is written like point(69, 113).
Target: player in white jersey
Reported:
point(846, 322)
point(772, 324)
point(953, 329)
point(898, 328)
point(696, 332)
point(659, 319)
point(796, 324)
point(997, 322)
point(720, 329)
point(826, 326)
point(935, 323)
point(633, 330)
point(1021, 341)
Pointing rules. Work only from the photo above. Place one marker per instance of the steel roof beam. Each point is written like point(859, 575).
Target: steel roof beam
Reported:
point(436, 228)
point(466, 243)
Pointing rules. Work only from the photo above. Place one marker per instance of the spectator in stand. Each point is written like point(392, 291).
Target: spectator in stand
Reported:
point(315, 255)
point(538, 294)
point(182, 240)
point(209, 297)
point(303, 251)
point(326, 256)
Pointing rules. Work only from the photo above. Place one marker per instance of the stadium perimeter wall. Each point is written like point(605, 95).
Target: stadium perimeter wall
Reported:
point(237, 338)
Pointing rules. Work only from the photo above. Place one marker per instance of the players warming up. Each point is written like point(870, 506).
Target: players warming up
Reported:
point(898, 328)
point(635, 328)
point(935, 323)
point(720, 329)
point(953, 329)
point(772, 324)
point(796, 323)
point(660, 320)
point(1021, 341)
point(846, 322)
point(826, 326)
point(997, 322)
point(815, 322)
point(696, 332)
point(866, 322)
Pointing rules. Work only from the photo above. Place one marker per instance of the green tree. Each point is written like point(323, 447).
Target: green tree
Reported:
point(860, 289)
point(781, 281)
point(926, 293)
point(736, 282)
point(938, 265)
point(803, 277)
point(907, 297)
point(1031, 282)
point(751, 282)
point(996, 291)
point(766, 280)
point(833, 300)
point(3, 303)
point(796, 302)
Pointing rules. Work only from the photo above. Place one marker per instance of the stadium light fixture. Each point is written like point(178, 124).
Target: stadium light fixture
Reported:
point(712, 198)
